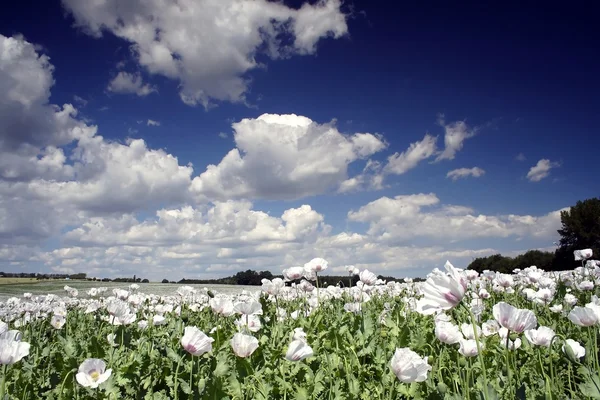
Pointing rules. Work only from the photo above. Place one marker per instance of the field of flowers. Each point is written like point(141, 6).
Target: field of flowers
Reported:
point(458, 335)
point(38, 288)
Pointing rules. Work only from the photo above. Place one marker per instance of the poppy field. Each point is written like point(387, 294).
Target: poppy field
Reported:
point(458, 335)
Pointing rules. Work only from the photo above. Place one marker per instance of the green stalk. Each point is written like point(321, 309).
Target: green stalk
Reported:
point(508, 369)
point(593, 339)
point(175, 385)
point(62, 386)
point(3, 382)
point(317, 278)
point(192, 378)
point(479, 355)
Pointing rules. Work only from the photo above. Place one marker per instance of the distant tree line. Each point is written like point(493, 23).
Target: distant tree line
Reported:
point(506, 265)
point(78, 276)
point(248, 277)
point(254, 278)
point(580, 230)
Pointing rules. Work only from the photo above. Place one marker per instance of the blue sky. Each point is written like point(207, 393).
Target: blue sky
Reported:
point(202, 139)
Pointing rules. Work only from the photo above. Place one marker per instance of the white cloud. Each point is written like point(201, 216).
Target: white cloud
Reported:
point(229, 236)
point(405, 217)
point(209, 46)
point(31, 129)
point(370, 178)
point(455, 174)
point(284, 157)
point(60, 180)
point(223, 135)
point(55, 170)
point(399, 164)
point(541, 170)
point(114, 177)
point(455, 135)
point(151, 122)
point(230, 224)
point(125, 82)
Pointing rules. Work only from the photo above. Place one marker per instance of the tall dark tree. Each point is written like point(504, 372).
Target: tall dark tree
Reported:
point(580, 230)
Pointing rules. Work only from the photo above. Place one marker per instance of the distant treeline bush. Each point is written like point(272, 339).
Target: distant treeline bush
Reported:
point(254, 278)
point(80, 276)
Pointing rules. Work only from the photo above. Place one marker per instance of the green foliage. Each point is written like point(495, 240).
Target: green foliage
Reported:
point(351, 360)
point(580, 230)
point(541, 259)
point(496, 262)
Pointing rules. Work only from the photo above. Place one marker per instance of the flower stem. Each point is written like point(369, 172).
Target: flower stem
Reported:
point(508, 369)
point(175, 383)
point(3, 383)
point(192, 378)
point(62, 386)
point(479, 355)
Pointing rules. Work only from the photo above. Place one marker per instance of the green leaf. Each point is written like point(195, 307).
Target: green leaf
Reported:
point(353, 385)
point(222, 366)
point(185, 386)
point(301, 394)
point(173, 356)
point(590, 386)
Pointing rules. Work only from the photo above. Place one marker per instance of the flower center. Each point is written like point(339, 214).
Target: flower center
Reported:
point(94, 375)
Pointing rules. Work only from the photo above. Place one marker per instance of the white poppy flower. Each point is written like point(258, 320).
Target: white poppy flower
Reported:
point(92, 372)
point(195, 342)
point(244, 345)
point(298, 350)
point(408, 366)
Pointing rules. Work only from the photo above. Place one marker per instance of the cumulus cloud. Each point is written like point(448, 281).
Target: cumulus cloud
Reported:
point(218, 239)
point(32, 130)
point(456, 174)
point(115, 177)
point(209, 46)
point(284, 157)
point(55, 170)
point(454, 137)
point(541, 170)
point(405, 217)
point(61, 182)
point(125, 82)
point(230, 224)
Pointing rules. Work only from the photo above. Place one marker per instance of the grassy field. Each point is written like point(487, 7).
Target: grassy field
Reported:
point(11, 281)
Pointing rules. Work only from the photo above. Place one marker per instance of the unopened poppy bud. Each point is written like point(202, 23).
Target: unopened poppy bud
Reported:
point(442, 388)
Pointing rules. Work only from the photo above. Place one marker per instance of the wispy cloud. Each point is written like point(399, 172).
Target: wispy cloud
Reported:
point(455, 174)
point(541, 170)
point(455, 135)
point(151, 122)
point(520, 157)
point(80, 101)
point(400, 163)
